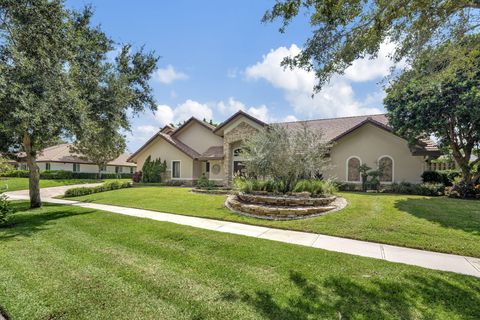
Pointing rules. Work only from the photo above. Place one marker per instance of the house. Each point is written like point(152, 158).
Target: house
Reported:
point(197, 148)
point(61, 157)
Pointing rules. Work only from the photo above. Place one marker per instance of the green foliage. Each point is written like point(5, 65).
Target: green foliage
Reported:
point(57, 80)
point(346, 30)
point(285, 154)
point(440, 96)
point(108, 186)
point(423, 189)
point(152, 170)
point(5, 209)
point(5, 167)
point(315, 187)
point(204, 183)
point(66, 175)
point(447, 177)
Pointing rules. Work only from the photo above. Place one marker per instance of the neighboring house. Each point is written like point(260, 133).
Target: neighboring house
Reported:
point(61, 157)
point(197, 148)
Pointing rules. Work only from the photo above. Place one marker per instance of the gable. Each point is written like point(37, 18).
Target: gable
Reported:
point(198, 137)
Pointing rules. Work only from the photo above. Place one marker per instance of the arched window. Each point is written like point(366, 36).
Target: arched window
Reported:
point(353, 169)
point(385, 165)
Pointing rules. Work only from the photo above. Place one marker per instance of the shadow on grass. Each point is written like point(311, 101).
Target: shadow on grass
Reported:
point(340, 297)
point(449, 213)
point(25, 221)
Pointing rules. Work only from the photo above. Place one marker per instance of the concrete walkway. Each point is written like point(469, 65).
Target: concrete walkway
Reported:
point(426, 259)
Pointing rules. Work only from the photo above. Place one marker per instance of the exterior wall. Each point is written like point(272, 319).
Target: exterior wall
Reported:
point(198, 137)
point(160, 148)
point(369, 143)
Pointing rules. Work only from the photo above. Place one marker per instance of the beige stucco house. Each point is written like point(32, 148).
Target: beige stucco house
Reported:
point(197, 148)
point(61, 157)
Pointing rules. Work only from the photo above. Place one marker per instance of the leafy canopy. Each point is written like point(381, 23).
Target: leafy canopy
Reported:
point(440, 96)
point(286, 154)
point(345, 30)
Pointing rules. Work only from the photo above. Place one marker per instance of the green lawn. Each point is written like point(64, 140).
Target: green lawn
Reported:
point(22, 183)
point(438, 224)
point(64, 262)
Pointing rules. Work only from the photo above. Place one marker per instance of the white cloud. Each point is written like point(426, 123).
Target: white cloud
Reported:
point(336, 99)
point(166, 114)
point(231, 106)
point(169, 74)
point(369, 69)
point(147, 129)
point(290, 118)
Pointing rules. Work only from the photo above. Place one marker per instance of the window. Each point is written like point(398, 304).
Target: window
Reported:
point(385, 166)
point(48, 166)
point(175, 169)
point(103, 168)
point(132, 170)
point(207, 168)
point(76, 167)
point(118, 169)
point(353, 169)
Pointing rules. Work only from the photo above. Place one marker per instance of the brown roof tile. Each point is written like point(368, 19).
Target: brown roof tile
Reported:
point(212, 153)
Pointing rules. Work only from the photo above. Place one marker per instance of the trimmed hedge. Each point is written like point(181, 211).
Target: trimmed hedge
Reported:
point(422, 189)
point(66, 175)
point(83, 191)
point(446, 177)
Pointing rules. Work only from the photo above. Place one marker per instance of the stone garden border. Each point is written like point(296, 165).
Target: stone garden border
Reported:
point(212, 191)
point(282, 213)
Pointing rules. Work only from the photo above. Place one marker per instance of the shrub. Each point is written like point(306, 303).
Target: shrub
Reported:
point(447, 177)
point(423, 189)
point(315, 187)
point(137, 177)
point(152, 170)
point(5, 209)
point(107, 186)
point(347, 186)
point(204, 183)
point(463, 190)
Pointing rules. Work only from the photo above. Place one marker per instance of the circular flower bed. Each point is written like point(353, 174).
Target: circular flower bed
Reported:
point(283, 207)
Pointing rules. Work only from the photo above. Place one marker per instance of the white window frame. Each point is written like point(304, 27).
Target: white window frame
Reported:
point(76, 164)
point(103, 168)
point(118, 169)
point(346, 169)
point(48, 166)
point(179, 168)
point(393, 168)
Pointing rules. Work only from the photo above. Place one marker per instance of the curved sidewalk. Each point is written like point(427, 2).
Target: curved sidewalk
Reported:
point(426, 259)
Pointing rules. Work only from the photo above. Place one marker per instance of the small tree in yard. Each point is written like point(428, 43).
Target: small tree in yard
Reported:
point(440, 96)
point(152, 170)
point(286, 154)
point(56, 80)
point(5, 167)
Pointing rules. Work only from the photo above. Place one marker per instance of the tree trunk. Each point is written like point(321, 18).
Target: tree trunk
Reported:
point(34, 176)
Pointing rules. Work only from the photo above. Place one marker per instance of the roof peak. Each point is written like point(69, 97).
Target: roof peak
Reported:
point(334, 118)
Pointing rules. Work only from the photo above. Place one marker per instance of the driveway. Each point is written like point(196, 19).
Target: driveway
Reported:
point(46, 193)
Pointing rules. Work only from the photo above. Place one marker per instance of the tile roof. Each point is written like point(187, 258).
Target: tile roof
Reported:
point(212, 153)
point(335, 128)
point(63, 153)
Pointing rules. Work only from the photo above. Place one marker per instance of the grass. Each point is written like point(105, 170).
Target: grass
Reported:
point(22, 183)
point(65, 262)
point(437, 224)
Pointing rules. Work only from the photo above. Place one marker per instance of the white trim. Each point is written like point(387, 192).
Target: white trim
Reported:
point(346, 169)
point(393, 168)
point(180, 168)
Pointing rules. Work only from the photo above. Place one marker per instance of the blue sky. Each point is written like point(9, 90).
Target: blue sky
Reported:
point(217, 57)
